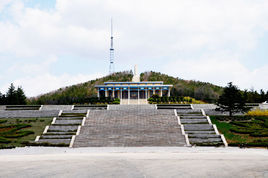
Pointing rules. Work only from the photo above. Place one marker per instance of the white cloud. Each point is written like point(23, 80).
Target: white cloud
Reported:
point(33, 68)
point(204, 36)
point(44, 83)
point(220, 71)
point(3, 3)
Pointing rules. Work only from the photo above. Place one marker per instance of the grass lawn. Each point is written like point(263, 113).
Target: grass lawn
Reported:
point(15, 131)
point(247, 132)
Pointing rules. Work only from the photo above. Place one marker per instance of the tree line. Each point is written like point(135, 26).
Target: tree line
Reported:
point(233, 100)
point(13, 96)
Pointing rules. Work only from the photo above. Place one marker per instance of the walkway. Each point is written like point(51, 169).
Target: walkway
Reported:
point(130, 126)
point(133, 162)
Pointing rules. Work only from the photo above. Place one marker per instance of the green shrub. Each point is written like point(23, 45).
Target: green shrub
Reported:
point(241, 130)
point(4, 140)
point(20, 134)
point(3, 121)
point(116, 101)
point(250, 144)
point(260, 133)
point(46, 144)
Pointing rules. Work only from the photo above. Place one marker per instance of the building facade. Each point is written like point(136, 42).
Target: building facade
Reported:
point(133, 92)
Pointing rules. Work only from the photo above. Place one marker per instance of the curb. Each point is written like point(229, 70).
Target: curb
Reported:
point(37, 138)
point(41, 107)
point(72, 141)
point(46, 128)
point(60, 113)
point(83, 121)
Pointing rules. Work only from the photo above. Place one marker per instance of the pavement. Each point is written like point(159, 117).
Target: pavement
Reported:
point(133, 162)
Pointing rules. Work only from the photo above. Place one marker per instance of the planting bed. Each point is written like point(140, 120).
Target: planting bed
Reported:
point(16, 132)
point(243, 131)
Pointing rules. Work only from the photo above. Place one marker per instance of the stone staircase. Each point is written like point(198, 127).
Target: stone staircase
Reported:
point(130, 126)
point(62, 130)
point(198, 128)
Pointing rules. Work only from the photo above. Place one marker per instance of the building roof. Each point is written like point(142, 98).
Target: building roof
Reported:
point(146, 82)
point(133, 85)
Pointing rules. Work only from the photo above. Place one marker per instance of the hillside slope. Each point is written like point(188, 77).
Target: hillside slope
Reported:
point(196, 89)
point(76, 93)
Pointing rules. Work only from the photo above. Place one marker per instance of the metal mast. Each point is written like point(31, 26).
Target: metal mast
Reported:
point(111, 68)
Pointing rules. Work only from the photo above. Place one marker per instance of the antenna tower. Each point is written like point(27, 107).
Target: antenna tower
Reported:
point(111, 67)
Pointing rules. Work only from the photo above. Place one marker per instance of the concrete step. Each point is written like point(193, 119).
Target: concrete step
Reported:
point(174, 107)
point(188, 111)
point(203, 136)
point(90, 107)
point(60, 133)
point(194, 113)
point(56, 137)
point(54, 141)
point(197, 127)
point(73, 115)
point(66, 122)
point(69, 118)
point(194, 121)
point(193, 117)
point(62, 128)
point(205, 141)
point(200, 132)
point(22, 107)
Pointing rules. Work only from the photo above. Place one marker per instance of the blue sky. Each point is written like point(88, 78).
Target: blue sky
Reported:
point(41, 4)
point(48, 44)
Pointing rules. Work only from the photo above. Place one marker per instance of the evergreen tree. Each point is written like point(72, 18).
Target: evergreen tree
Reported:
point(231, 100)
point(2, 99)
point(21, 98)
point(11, 95)
point(263, 98)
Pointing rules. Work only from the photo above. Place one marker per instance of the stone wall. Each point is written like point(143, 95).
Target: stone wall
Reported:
point(56, 107)
point(26, 114)
point(2, 107)
point(204, 106)
point(263, 106)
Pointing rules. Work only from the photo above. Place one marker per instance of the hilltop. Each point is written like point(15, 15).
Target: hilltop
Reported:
point(75, 93)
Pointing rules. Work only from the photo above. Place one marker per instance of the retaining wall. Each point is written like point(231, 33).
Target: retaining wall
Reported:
point(56, 107)
point(2, 107)
point(26, 114)
point(263, 106)
point(204, 106)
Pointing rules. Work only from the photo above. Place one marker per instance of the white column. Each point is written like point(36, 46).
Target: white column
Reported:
point(128, 94)
point(168, 92)
point(138, 96)
point(146, 94)
point(98, 93)
point(121, 93)
point(113, 93)
point(106, 92)
point(153, 90)
point(161, 92)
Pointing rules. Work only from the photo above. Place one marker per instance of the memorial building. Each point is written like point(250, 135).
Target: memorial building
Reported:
point(134, 92)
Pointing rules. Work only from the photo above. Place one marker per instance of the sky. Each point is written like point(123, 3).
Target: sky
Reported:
point(48, 44)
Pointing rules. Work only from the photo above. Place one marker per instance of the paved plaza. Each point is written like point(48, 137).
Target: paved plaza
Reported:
point(133, 162)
